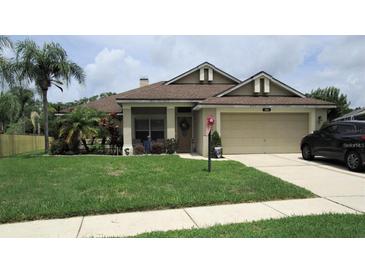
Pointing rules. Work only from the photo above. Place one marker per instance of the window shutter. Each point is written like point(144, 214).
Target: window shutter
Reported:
point(201, 78)
point(210, 75)
point(257, 85)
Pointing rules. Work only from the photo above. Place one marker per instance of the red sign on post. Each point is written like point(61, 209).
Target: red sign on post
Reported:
point(210, 123)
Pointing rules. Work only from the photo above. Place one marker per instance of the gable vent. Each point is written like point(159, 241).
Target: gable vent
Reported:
point(206, 74)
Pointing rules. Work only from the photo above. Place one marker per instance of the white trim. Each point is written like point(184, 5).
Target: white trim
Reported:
point(261, 106)
point(203, 65)
point(262, 74)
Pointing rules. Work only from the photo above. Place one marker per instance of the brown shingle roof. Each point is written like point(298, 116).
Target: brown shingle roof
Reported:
point(247, 100)
point(159, 91)
point(197, 92)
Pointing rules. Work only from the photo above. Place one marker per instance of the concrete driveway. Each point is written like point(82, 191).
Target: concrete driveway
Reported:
point(325, 178)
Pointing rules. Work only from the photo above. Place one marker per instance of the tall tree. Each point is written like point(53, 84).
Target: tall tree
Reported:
point(6, 74)
point(332, 94)
point(45, 66)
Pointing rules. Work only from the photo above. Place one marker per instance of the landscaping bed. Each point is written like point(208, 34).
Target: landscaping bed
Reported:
point(320, 226)
point(40, 186)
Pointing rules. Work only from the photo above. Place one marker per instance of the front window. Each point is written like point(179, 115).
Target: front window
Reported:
point(149, 127)
point(142, 129)
point(157, 129)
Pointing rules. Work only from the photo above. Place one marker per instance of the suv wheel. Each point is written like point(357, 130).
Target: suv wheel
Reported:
point(353, 161)
point(307, 153)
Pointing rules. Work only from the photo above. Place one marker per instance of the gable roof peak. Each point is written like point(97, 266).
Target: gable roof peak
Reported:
point(259, 74)
point(202, 65)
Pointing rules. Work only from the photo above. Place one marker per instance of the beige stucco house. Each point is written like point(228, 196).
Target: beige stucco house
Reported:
point(257, 115)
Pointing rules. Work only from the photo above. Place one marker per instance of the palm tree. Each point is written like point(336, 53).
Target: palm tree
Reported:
point(34, 118)
point(5, 65)
point(45, 66)
point(78, 125)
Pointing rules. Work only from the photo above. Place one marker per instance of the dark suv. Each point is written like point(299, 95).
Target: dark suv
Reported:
point(343, 141)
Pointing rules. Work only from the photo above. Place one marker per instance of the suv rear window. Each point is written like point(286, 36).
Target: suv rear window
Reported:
point(361, 128)
point(346, 128)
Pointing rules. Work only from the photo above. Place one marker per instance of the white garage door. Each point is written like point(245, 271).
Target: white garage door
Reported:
point(263, 133)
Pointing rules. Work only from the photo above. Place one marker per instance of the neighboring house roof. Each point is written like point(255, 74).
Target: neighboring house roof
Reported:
point(351, 115)
point(107, 104)
point(159, 91)
point(262, 74)
point(248, 100)
point(203, 65)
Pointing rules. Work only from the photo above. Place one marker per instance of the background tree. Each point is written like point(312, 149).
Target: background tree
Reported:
point(79, 125)
point(332, 94)
point(5, 64)
point(9, 109)
point(45, 66)
point(25, 98)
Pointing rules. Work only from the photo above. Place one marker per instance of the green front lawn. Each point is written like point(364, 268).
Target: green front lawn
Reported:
point(322, 226)
point(36, 186)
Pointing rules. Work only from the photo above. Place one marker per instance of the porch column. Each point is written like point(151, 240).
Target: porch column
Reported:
point(312, 120)
point(127, 129)
point(218, 121)
point(170, 121)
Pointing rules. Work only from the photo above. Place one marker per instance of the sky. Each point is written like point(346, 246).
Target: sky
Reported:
point(115, 63)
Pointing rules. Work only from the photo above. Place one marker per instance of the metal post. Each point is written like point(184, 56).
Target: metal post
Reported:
point(209, 156)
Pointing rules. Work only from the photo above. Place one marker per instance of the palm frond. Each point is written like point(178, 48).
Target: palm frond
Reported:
point(5, 42)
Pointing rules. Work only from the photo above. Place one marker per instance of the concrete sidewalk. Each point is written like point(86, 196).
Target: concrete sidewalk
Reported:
point(129, 224)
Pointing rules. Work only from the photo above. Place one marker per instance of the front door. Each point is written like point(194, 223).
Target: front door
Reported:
point(184, 134)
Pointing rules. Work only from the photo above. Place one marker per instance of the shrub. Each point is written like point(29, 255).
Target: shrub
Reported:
point(138, 149)
point(23, 126)
point(157, 148)
point(59, 146)
point(97, 149)
point(171, 146)
point(215, 142)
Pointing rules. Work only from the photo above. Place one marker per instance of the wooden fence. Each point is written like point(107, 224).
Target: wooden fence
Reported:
point(16, 144)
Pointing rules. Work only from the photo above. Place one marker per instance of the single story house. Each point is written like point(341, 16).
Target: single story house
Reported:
point(357, 114)
point(257, 115)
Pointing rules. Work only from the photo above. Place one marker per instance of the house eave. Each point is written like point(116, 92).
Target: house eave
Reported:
point(200, 106)
point(135, 101)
